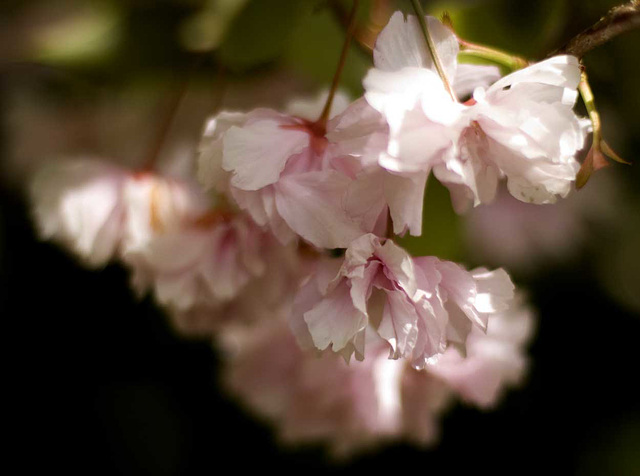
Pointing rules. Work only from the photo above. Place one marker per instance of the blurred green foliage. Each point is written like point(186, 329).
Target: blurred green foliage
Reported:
point(261, 33)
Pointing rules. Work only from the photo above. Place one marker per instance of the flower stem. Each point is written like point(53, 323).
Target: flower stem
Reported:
point(587, 98)
point(432, 47)
point(167, 119)
point(324, 116)
point(502, 58)
point(599, 148)
point(164, 127)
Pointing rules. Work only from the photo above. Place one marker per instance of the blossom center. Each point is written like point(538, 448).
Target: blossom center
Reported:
point(317, 132)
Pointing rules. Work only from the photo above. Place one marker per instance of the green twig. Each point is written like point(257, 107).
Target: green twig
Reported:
point(432, 47)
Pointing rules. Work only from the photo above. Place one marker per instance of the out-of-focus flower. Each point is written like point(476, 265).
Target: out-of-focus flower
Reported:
point(158, 205)
point(322, 399)
point(78, 204)
point(263, 292)
point(311, 398)
point(494, 359)
point(525, 238)
point(522, 127)
point(98, 210)
point(426, 303)
point(200, 264)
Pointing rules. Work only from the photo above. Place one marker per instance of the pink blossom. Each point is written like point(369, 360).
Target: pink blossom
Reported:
point(101, 211)
point(469, 298)
point(521, 128)
point(286, 172)
point(417, 305)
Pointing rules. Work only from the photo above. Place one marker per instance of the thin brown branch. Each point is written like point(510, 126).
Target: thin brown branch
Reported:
point(168, 117)
point(618, 20)
point(351, 27)
point(166, 120)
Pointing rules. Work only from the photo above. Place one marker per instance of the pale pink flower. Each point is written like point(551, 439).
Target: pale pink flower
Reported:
point(417, 305)
point(285, 172)
point(78, 204)
point(521, 128)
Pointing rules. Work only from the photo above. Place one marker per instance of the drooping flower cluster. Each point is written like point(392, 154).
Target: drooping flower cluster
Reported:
point(297, 242)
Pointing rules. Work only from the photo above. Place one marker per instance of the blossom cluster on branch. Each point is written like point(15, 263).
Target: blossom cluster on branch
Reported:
point(284, 251)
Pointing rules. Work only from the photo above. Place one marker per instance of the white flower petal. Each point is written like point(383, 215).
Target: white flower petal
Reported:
point(470, 76)
point(563, 71)
point(401, 43)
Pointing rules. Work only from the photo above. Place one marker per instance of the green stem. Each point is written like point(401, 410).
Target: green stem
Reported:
point(432, 47)
point(502, 58)
point(589, 102)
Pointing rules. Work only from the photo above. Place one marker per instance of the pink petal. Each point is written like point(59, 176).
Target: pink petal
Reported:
point(257, 153)
point(311, 204)
point(335, 321)
point(399, 324)
point(405, 195)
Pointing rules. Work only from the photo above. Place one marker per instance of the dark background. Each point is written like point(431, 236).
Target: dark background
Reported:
point(99, 384)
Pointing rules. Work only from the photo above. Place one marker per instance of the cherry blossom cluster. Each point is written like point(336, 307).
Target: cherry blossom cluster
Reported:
point(285, 250)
